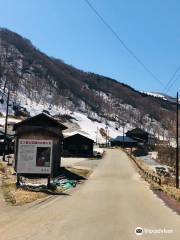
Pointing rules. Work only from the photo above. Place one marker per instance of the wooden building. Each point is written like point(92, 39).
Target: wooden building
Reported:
point(141, 136)
point(77, 145)
point(125, 141)
point(41, 136)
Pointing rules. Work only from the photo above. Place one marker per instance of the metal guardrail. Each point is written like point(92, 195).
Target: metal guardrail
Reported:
point(146, 174)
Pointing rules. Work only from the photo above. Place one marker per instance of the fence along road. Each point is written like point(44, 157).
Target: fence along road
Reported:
point(110, 205)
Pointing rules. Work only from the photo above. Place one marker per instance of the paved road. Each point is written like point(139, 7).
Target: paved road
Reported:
point(109, 206)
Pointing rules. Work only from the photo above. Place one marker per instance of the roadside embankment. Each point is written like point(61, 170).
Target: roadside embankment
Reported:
point(157, 183)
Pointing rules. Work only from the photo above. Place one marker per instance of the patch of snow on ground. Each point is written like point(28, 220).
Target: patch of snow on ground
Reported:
point(92, 127)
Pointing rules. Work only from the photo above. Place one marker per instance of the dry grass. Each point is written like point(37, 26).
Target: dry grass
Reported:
point(16, 196)
point(172, 192)
point(22, 197)
point(2, 168)
point(168, 190)
point(7, 189)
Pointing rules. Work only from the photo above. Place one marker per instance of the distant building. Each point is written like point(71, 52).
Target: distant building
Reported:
point(77, 145)
point(125, 141)
point(141, 136)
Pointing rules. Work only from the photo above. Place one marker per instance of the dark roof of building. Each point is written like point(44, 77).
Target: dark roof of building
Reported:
point(123, 139)
point(79, 135)
point(41, 119)
point(137, 131)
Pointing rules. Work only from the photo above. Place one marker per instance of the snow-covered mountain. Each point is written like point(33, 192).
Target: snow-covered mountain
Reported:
point(38, 82)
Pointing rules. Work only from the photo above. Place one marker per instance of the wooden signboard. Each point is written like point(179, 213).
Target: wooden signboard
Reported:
point(34, 156)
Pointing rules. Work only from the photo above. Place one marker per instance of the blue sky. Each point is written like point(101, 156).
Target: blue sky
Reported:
point(69, 30)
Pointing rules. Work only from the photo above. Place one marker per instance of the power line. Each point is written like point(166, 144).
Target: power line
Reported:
point(171, 82)
point(122, 42)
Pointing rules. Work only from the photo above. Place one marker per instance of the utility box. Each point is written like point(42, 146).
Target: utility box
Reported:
point(38, 143)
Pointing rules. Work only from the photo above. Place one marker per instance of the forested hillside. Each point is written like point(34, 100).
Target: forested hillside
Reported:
point(27, 71)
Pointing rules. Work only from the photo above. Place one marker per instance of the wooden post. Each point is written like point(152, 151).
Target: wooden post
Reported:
point(123, 135)
point(18, 180)
point(106, 134)
point(48, 181)
point(5, 130)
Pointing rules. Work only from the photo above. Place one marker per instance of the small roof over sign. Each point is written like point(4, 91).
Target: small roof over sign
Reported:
point(41, 119)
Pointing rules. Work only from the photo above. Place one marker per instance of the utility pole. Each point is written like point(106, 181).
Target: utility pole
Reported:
point(97, 136)
point(123, 126)
point(177, 143)
point(108, 139)
point(5, 130)
point(106, 134)
point(123, 134)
